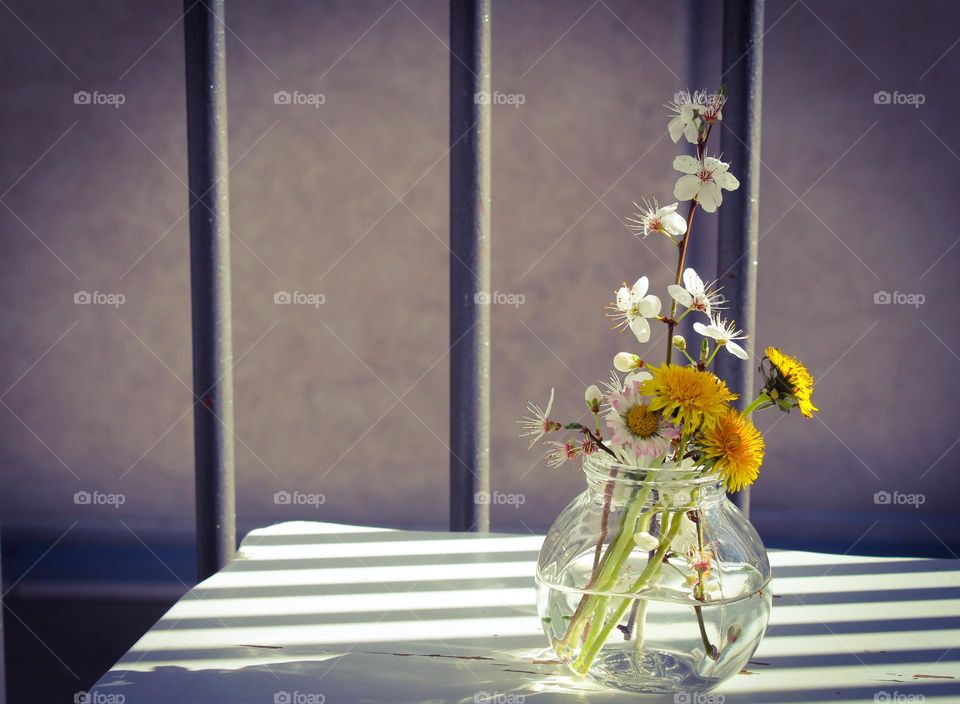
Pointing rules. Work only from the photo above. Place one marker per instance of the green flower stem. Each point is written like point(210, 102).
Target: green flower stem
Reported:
point(596, 641)
point(757, 402)
point(616, 554)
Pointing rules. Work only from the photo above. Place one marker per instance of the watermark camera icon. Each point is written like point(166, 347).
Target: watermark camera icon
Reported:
point(898, 698)
point(885, 97)
point(82, 298)
point(898, 498)
point(83, 697)
point(85, 97)
point(282, 498)
point(282, 298)
point(885, 298)
point(282, 97)
point(283, 697)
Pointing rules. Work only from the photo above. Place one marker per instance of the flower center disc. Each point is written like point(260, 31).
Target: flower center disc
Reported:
point(642, 422)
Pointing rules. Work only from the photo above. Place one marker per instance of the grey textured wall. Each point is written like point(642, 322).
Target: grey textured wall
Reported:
point(856, 198)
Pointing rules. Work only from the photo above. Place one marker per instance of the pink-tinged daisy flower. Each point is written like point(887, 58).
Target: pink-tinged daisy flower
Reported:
point(638, 432)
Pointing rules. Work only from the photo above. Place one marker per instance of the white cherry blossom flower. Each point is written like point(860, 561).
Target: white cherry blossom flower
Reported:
point(686, 121)
point(538, 423)
point(695, 294)
point(703, 180)
point(724, 332)
point(633, 306)
point(711, 105)
point(650, 217)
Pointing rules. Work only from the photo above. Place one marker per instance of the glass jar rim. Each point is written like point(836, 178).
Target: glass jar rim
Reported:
point(603, 468)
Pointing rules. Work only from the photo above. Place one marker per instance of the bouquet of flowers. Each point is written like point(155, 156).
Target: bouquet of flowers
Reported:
point(678, 415)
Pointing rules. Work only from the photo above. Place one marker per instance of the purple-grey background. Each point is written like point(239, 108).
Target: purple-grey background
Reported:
point(349, 200)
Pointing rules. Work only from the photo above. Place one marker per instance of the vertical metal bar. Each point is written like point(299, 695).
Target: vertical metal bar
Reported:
point(470, 105)
point(3, 649)
point(742, 64)
point(210, 284)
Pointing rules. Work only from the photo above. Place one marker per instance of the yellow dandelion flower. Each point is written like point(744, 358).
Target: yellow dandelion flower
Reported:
point(734, 447)
point(792, 379)
point(687, 395)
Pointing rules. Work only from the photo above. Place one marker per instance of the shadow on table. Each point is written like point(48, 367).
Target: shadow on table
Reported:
point(397, 673)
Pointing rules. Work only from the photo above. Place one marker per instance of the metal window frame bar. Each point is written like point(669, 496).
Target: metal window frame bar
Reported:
point(469, 264)
point(206, 88)
point(737, 248)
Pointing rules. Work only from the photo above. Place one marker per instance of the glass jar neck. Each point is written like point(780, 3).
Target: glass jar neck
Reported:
point(662, 487)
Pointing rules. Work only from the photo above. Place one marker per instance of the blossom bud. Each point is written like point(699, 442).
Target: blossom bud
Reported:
point(626, 362)
point(644, 541)
point(680, 342)
point(673, 225)
point(592, 398)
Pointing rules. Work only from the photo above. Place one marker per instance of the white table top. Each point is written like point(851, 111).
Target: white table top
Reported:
point(320, 613)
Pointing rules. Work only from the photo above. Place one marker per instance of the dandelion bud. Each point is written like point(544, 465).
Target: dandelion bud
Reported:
point(680, 342)
point(626, 362)
point(592, 398)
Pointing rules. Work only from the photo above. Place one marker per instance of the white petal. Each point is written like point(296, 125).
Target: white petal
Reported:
point(710, 197)
point(686, 188)
point(640, 328)
point(680, 295)
point(672, 208)
point(692, 133)
point(706, 330)
point(692, 281)
point(715, 166)
point(650, 306)
point(640, 288)
point(623, 298)
point(727, 181)
point(736, 350)
point(641, 375)
point(645, 541)
point(675, 128)
point(673, 224)
point(686, 164)
point(625, 361)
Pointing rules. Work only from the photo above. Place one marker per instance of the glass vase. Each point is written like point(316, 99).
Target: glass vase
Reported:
point(652, 581)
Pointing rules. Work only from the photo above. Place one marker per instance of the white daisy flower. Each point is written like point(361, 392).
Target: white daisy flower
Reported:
point(637, 431)
point(703, 181)
point(724, 332)
point(695, 294)
point(633, 306)
point(650, 217)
